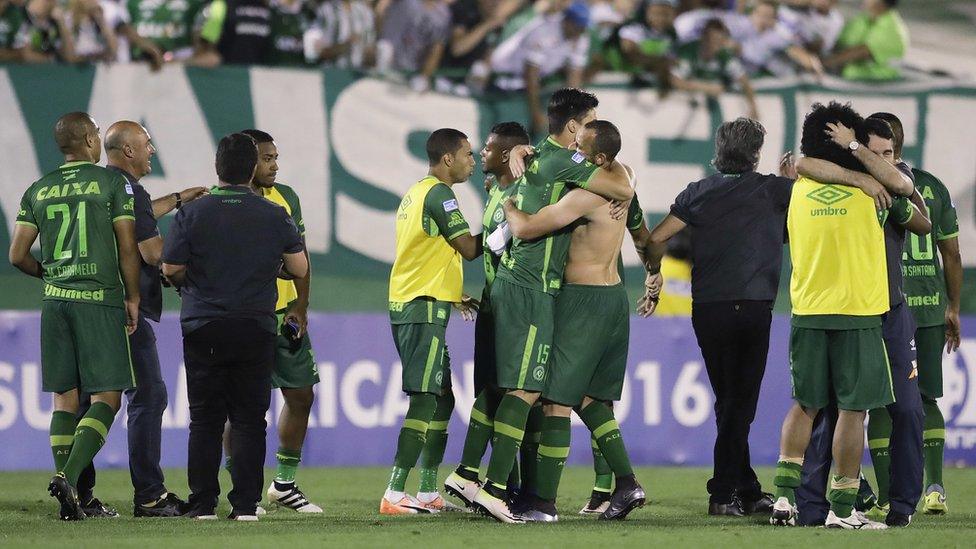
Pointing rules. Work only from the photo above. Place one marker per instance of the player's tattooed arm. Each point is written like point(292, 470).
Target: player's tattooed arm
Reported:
point(576, 204)
point(879, 168)
point(828, 172)
point(20, 255)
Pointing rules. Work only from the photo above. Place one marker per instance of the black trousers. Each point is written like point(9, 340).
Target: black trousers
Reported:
point(228, 375)
point(734, 341)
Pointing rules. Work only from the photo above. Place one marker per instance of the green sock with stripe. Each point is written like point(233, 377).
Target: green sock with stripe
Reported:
point(433, 453)
point(787, 478)
point(287, 465)
point(89, 438)
point(553, 451)
point(933, 442)
point(599, 419)
point(480, 428)
point(604, 476)
point(842, 495)
point(63, 425)
point(412, 437)
point(509, 430)
point(879, 437)
point(529, 451)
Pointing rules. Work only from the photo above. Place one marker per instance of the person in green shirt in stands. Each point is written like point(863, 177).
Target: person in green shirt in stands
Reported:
point(871, 44)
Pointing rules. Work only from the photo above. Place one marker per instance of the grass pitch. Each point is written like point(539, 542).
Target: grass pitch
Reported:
point(675, 517)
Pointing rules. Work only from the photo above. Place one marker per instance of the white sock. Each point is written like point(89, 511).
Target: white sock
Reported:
point(393, 497)
point(427, 497)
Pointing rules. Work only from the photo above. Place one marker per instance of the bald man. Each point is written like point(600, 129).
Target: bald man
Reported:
point(130, 150)
point(83, 215)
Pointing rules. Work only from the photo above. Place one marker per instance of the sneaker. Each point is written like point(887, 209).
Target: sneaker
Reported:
point(407, 505)
point(96, 509)
point(877, 513)
point(242, 518)
point(625, 498)
point(291, 497)
point(599, 501)
point(439, 504)
point(198, 513)
point(540, 511)
point(865, 496)
point(857, 521)
point(66, 495)
point(784, 513)
point(259, 511)
point(496, 507)
point(897, 520)
point(165, 507)
point(462, 488)
point(935, 501)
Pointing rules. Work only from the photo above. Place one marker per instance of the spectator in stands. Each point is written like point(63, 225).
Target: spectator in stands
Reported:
point(92, 29)
point(771, 47)
point(47, 37)
point(412, 39)
point(690, 24)
point(235, 32)
point(290, 20)
point(710, 66)
point(13, 33)
point(127, 38)
point(817, 23)
point(476, 27)
point(172, 27)
point(343, 35)
point(872, 43)
point(645, 46)
point(546, 46)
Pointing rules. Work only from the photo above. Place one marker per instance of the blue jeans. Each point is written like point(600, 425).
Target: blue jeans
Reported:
point(146, 404)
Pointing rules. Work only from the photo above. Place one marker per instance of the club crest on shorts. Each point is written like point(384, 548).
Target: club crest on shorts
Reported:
point(539, 372)
point(439, 377)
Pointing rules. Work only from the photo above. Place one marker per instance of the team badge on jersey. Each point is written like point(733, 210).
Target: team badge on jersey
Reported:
point(450, 205)
point(578, 157)
point(499, 216)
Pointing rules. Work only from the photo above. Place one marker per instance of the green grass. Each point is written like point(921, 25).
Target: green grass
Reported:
point(675, 517)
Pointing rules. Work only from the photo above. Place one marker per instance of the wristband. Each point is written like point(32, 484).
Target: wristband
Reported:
point(179, 200)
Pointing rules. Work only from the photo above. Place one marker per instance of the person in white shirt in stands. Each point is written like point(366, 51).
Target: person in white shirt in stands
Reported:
point(772, 47)
point(344, 35)
point(552, 43)
point(817, 23)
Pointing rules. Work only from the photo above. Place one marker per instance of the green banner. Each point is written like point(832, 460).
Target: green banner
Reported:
point(351, 146)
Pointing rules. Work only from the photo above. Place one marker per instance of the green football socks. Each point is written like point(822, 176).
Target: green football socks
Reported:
point(287, 465)
point(509, 430)
point(553, 451)
point(933, 441)
point(787, 478)
point(63, 425)
point(604, 476)
point(88, 440)
point(879, 436)
point(413, 435)
point(433, 453)
point(529, 451)
point(842, 494)
point(480, 428)
point(599, 419)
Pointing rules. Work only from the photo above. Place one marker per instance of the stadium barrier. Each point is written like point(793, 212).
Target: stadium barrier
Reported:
point(351, 146)
point(665, 413)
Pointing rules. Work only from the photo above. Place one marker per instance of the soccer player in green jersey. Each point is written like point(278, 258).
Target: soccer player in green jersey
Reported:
point(83, 215)
point(529, 275)
point(168, 24)
point(932, 290)
point(464, 482)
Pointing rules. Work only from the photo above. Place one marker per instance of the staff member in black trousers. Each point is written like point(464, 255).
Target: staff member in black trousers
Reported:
point(739, 217)
point(224, 252)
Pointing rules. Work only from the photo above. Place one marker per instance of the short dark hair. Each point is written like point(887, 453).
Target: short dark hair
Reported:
point(891, 3)
point(607, 138)
point(737, 145)
point(815, 142)
point(512, 133)
point(443, 141)
point(258, 136)
point(714, 24)
point(896, 128)
point(878, 127)
point(569, 104)
point(237, 155)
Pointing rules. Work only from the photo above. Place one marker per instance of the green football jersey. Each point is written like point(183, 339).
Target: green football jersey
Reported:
point(73, 209)
point(12, 19)
point(168, 23)
point(924, 283)
point(494, 215)
point(288, 32)
point(539, 264)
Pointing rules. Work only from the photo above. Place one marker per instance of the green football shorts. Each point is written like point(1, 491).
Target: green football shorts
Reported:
point(853, 364)
point(523, 335)
point(84, 346)
point(589, 345)
point(423, 354)
point(929, 345)
point(294, 361)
